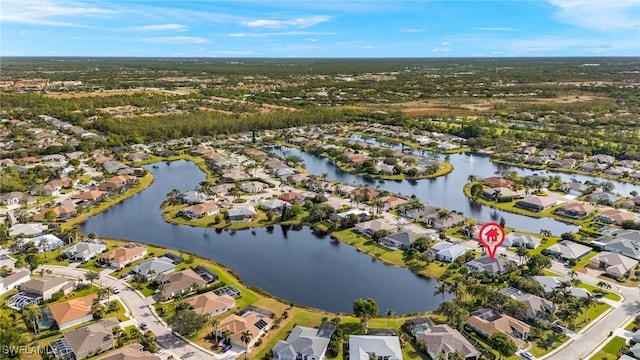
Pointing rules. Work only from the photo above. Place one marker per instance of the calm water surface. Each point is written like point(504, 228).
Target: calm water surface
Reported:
point(298, 266)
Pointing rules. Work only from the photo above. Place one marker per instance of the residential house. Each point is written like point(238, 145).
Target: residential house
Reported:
point(631, 203)
point(536, 203)
point(486, 322)
point(448, 252)
point(16, 198)
point(363, 347)
point(615, 216)
point(274, 206)
point(193, 197)
point(123, 256)
point(536, 306)
point(87, 341)
point(550, 283)
point(304, 343)
point(442, 339)
point(46, 242)
point(624, 242)
point(90, 198)
point(114, 167)
point(292, 197)
point(245, 213)
point(438, 222)
point(72, 312)
point(222, 189)
point(613, 264)
point(150, 269)
point(605, 198)
point(252, 186)
point(536, 160)
point(46, 286)
point(392, 202)
point(200, 210)
point(369, 228)
point(12, 281)
point(64, 212)
point(255, 322)
point(603, 159)
point(576, 210)
point(45, 190)
point(400, 240)
point(498, 182)
point(500, 194)
point(487, 265)
point(83, 251)
point(133, 351)
point(118, 184)
point(233, 175)
point(210, 303)
point(178, 283)
point(361, 214)
point(514, 239)
point(569, 250)
point(574, 188)
point(563, 164)
point(369, 193)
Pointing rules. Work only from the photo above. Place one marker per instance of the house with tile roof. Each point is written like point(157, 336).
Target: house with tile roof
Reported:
point(487, 265)
point(621, 241)
point(614, 264)
point(180, 282)
point(536, 306)
point(400, 240)
point(303, 343)
point(85, 341)
point(123, 256)
point(46, 286)
point(369, 228)
point(576, 210)
point(486, 322)
point(514, 239)
point(442, 339)
point(256, 323)
point(536, 203)
point(133, 351)
point(72, 312)
point(210, 303)
point(200, 210)
point(361, 347)
point(154, 267)
point(83, 251)
point(12, 281)
point(615, 216)
point(569, 250)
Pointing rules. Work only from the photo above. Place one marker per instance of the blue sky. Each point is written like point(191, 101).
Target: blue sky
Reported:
point(320, 28)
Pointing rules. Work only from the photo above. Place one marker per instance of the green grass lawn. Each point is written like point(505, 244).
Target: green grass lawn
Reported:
point(610, 350)
point(607, 294)
point(538, 351)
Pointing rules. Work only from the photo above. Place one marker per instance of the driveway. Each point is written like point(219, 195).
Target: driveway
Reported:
point(139, 309)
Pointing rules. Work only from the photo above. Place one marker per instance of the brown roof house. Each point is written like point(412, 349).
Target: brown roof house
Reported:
point(441, 339)
point(46, 286)
point(85, 341)
point(210, 303)
point(576, 210)
point(118, 183)
point(488, 321)
point(292, 197)
point(200, 210)
point(73, 312)
point(536, 203)
point(123, 256)
point(255, 322)
point(369, 228)
point(133, 351)
point(613, 264)
point(179, 282)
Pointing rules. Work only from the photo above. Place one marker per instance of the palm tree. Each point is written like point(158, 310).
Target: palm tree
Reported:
point(523, 254)
point(245, 337)
point(389, 314)
point(97, 309)
point(442, 288)
point(214, 324)
point(443, 215)
point(496, 194)
point(118, 336)
point(545, 233)
point(31, 314)
point(587, 302)
point(92, 275)
point(604, 285)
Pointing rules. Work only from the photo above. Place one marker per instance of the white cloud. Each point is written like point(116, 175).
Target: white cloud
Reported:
point(414, 30)
point(445, 43)
point(45, 12)
point(174, 40)
point(312, 39)
point(369, 47)
point(282, 33)
point(602, 15)
point(441, 49)
point(231, 53)
point(301, 22)
point(158, 27)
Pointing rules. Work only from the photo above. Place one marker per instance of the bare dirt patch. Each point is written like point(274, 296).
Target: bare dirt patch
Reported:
point(106, 93)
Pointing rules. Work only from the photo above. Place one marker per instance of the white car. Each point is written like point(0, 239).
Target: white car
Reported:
point(526, 355)
point(161, 352)
point(116, 290)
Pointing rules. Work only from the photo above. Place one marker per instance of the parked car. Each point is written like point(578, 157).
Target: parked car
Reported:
point(558, 328)
point(161, 352)
point(143, 326)
point(116, 290)
point(226, 348)
point(526, 355)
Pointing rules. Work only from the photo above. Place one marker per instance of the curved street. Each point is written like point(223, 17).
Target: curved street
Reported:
point(140, 309)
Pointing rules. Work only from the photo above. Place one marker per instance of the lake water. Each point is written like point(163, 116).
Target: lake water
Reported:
point(297, 266)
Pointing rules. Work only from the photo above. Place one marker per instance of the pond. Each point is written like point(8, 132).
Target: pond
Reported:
point(294, 265)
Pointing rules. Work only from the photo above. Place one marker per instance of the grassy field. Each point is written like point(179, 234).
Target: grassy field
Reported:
point(610, 350)
point(607, 294)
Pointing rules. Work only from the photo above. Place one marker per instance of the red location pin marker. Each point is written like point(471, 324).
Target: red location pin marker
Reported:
point(491, 237)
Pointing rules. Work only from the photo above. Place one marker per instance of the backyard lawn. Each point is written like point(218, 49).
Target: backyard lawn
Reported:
point(610, 350)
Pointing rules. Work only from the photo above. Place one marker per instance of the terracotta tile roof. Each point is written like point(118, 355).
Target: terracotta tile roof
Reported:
point(72, 309)
point(209, 302)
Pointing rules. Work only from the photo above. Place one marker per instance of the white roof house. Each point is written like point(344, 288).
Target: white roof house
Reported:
point(11, 281)
point(84, 251)
point(45, 242)
point(31, 229)
point(361, 347)
point(302, 343)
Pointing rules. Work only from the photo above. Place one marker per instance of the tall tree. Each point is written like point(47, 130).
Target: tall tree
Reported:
point(500, 342)
point(31, 314)
point(365, 309)
point(245, 337)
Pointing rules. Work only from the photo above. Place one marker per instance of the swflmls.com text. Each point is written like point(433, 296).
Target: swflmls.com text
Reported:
point(24, 350)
